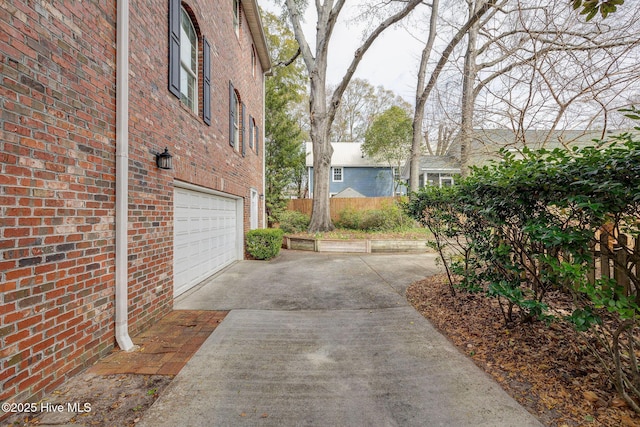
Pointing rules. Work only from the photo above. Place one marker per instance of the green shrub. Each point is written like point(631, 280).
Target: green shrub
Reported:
point(388, 218)
point(293, 221)
point(527, 229)
point(349, 219)
point(264, 243)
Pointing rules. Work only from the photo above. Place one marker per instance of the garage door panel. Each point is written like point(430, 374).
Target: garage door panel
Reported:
point(204, 237)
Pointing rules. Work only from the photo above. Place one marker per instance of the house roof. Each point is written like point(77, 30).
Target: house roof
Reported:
point(434, 164)
point(252, 13)
point(348, 193)
point(486, 143)
point(346, 154)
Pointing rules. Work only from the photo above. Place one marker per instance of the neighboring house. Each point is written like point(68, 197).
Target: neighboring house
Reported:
point(97, 240)
point(486, 143)
point(440, 171)
point(351, 169)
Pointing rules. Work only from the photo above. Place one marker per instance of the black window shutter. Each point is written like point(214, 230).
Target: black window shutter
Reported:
point(174, 47)
point(232, 114)
point(206, 81)
point(244, 130)
point(251, 141)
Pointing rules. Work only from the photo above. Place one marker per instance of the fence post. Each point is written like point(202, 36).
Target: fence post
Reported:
point(620, 264)
point(605, 268)
point(591, 268)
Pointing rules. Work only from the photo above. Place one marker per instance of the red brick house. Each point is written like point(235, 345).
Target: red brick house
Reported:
point(96, 239)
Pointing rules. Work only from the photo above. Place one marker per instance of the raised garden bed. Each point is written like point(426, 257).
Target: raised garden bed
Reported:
point(354, 245)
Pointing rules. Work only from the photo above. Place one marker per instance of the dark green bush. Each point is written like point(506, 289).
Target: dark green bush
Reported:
point(524, 230)
point(389, 217)
point(293, 222)
point(264, 243)
point(349, 218)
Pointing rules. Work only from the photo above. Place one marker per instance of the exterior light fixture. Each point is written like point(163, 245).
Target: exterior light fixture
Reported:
point(163, 160)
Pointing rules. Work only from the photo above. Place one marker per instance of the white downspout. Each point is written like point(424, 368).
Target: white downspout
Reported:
point(122, 175)
point(263, 202)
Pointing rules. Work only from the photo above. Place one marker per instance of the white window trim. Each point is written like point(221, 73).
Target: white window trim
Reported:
point(236, 16)
point(333, 174)
point(236, 122)
point(187, 67)
point(446, 178)
point(253, 203)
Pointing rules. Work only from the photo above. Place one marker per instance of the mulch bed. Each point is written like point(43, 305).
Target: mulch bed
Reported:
point(548, 369)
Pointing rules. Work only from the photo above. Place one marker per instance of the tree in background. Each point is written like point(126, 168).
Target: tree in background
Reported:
point(425, 86)
point(388, 139)
point(284, 151)
point(321, 112)
point(590, 8)
point(360, 105)
point(549, 71)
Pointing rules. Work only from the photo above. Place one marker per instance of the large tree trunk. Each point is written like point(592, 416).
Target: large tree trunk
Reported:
point(423, 91)
point(322, 114)
point(416, 148)
point(418, 115)
point(468, 99)
point(322, 151)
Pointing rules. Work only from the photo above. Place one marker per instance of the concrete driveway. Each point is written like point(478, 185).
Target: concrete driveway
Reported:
point(316, 339)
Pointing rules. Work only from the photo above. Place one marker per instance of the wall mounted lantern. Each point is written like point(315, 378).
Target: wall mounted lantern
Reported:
point(163, 160)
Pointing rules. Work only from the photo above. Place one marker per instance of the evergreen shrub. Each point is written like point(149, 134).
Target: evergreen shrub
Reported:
point(264, 243)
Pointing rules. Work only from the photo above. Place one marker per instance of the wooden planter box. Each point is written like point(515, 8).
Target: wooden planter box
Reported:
point(398, 246)
point(354, 246)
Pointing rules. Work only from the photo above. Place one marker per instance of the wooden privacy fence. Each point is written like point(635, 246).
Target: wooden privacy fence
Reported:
point(339, 204)
point(616, 256)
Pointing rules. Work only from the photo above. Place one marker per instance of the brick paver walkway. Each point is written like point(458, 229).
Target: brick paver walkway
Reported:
point(164, 348)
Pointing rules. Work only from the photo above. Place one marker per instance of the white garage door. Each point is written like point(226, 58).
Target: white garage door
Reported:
point(205, 236)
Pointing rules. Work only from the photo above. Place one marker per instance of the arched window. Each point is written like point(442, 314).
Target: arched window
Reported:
point(188, 62)
point(183, 61)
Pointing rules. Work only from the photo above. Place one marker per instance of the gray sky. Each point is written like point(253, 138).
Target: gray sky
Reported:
point(392, 61)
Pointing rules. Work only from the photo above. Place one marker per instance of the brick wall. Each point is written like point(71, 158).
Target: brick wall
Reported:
point(57, 196)
point(201, 153)
point(57, 171)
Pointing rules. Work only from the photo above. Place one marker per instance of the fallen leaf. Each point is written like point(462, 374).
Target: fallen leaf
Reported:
point(591, 396)
point(618, 402)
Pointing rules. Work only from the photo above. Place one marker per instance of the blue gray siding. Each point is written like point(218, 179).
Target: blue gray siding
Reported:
point(368, 181)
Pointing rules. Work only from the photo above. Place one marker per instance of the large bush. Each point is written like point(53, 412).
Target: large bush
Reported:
point(390, 217)
point(264, 243)
point(293, 222)
point(519, 229)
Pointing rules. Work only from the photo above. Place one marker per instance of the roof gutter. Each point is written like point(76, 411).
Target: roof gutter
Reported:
point(252, 13)
point(122, 175)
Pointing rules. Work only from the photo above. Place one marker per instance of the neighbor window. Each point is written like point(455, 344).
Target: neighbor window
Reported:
point(446, 181)
point(337, 174)
point(188, 62)
point(236, 16)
